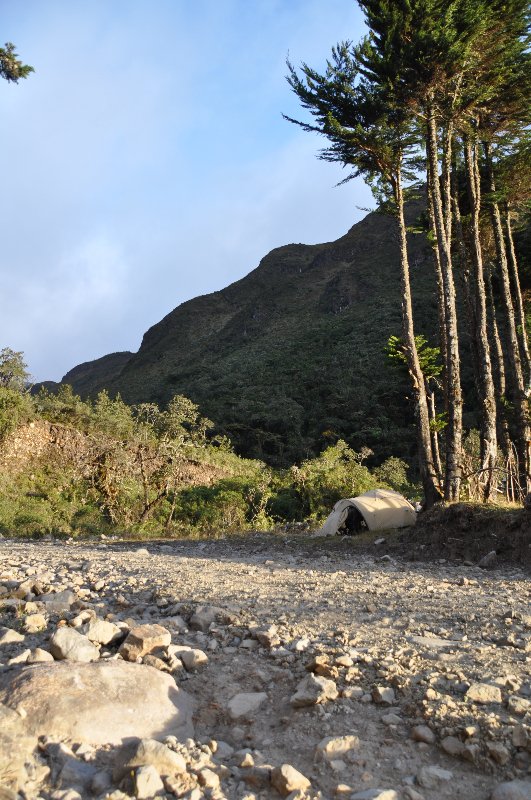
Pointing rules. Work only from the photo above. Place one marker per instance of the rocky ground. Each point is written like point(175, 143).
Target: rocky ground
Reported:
point(259, 668)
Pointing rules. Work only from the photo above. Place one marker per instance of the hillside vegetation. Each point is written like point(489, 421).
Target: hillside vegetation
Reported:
point(76, 467)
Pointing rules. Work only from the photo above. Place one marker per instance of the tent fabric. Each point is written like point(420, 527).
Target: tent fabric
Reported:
point(380, 508)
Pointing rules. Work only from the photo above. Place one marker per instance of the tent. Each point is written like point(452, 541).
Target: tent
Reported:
point(379, 509)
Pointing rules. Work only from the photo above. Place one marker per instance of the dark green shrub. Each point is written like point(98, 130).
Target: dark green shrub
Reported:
point(207, 508)
point(337, 473)
point(15, 408)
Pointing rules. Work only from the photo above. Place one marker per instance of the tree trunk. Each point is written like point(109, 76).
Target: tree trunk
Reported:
point(523, 432)
point(489, 450)
point(427, 469)
point(467, 280)
point(498, 361)
point(454, 429)
point(438, 275)
point(432, 413)
point(517, 294)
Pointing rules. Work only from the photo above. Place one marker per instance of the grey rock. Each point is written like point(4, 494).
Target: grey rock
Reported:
point(512, 790)
point(39, 656)
point(101, 632)
point(10, 636)
point(452, 746)
point(60, 602)
point(101, 782)
point(69, 645)
point(421, 733)
point(432, 776)
point(144, 639)
point(204, 617)
point(78, 774)
point(245, 704)
point(313, 690)
point(488, 560)
point(484, 693)
point(148, 752)
point(286, 779)
point(384, 695)
point(97, 703)
point(148, 783)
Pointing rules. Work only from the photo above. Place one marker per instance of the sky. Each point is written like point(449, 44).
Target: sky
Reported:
point(146, 162)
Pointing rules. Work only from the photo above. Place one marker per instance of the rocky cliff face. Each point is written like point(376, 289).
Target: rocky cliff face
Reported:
point(293, 355)
point(38, 440)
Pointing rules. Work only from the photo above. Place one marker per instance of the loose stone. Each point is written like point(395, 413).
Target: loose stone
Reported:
point(287, 779)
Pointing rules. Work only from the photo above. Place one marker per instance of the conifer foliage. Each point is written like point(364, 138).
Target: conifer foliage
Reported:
point(441, 86)
point(12, 69)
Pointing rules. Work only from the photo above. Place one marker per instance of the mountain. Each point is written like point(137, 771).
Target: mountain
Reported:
point(292, 356)
point(101, 372)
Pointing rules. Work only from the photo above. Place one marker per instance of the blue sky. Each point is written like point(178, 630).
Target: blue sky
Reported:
point(146, 162)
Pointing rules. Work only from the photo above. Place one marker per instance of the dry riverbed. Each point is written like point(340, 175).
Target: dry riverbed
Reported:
point(259, 668)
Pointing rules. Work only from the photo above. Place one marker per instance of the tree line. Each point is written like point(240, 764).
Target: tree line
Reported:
point(439, 89)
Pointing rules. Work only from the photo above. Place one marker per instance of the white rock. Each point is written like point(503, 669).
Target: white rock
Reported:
point(21, 658)
point(35, 623)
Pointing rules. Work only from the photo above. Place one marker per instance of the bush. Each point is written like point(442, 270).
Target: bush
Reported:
point(15, 409)
point(207, 508)
point(392, 474)
point(338, 472)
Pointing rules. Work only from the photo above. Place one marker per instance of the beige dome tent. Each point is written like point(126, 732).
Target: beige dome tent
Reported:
point(380, 509)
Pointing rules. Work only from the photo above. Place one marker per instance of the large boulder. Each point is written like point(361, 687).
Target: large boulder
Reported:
point(15, 748)
point(98, 703)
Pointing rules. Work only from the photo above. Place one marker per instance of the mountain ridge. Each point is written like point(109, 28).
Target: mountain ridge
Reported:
point(291, 356)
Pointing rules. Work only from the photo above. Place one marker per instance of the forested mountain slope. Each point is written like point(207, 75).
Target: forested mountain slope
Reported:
point(292, 356)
